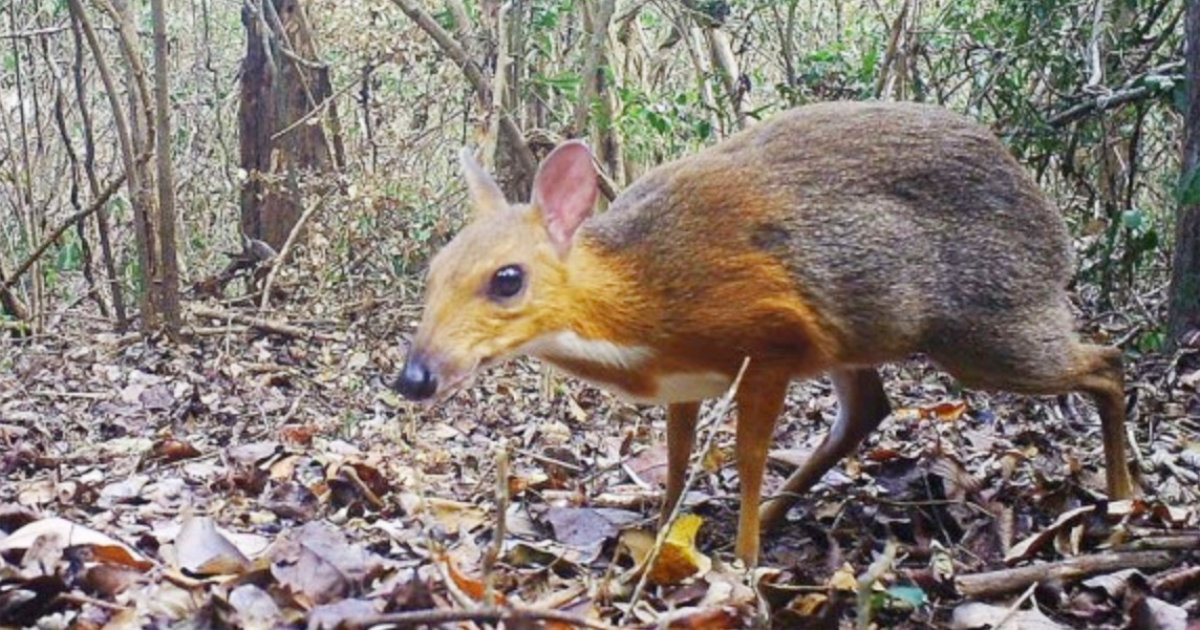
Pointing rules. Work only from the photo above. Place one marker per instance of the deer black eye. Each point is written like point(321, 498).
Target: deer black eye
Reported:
point(506, 282)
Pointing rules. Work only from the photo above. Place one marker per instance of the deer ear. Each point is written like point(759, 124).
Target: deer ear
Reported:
point(485, 193)
point(565, 191)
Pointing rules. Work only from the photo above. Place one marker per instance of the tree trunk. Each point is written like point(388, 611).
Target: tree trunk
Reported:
point(595, 97)
point(137, 141)
point(1185, 274)
point(281, 85)
point(166, 266)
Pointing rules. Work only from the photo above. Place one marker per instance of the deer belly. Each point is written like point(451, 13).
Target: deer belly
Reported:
point(627, 371)
point(690, 386)
point(663, 389)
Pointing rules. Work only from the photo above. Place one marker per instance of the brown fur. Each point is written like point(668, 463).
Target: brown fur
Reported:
point(828, 240)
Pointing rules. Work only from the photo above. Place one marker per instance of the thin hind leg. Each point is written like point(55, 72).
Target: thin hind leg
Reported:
point(862, 405)
point(1105, 381)
point(1045, 360)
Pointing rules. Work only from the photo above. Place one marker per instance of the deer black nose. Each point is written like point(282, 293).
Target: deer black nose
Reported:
point(416, 381)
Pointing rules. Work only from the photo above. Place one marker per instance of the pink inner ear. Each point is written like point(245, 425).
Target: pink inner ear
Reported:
point(565, 190)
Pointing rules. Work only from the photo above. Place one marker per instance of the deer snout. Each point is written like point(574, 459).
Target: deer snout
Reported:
point(416, 381)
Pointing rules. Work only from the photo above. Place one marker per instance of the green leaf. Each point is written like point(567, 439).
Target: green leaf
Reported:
point(567, 82)
point(659, 123)
point(70, 256)
point(1179, 97)
point(1133, 219)
point(869, 60)
point(1148, 241)
point(1151, 341)
point(1189, 187)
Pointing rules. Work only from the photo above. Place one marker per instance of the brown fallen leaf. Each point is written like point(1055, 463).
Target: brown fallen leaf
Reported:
point(108, 580)
point(649, 466)
point(944, 411)
point(104, 548)
point(723, 618)
point(469, 586)
point(809, 604)
point(1034, 543)
point(318, 565)
point(1114, 584)
point(292, 500)
point(587, 527)
point(298, 434)
point(203, 551)
point(172, 450)
point(453, 515)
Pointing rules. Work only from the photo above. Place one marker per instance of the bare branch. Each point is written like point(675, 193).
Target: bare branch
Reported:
point(50, 239)
point(475, 76)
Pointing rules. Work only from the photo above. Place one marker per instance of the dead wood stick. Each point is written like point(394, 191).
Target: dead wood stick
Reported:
point(1183, 542)
point(483, 615)
point(1176, 581)
point(1005, 581)
point(265, 325)
point(38, 32)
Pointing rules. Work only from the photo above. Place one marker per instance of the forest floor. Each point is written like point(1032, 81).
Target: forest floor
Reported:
point(255, 479)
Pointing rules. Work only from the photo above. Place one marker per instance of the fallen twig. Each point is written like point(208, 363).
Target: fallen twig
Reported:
point(618, 500)
point(483, 615)
point(1182, 542)
point(265, 325)
point(1005, 581)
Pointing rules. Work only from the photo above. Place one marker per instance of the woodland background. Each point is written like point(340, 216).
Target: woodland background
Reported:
point(214, 219)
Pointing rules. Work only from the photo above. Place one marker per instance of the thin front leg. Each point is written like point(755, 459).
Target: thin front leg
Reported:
point(681, 438)
point(862, 405)
point(759, 401)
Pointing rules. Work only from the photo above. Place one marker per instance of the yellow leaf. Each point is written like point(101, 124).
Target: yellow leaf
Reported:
point(844, 579)
point(809, 604)
point(678, 559)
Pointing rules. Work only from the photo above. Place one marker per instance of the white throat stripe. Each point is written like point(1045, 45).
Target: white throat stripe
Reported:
point(569, 345)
